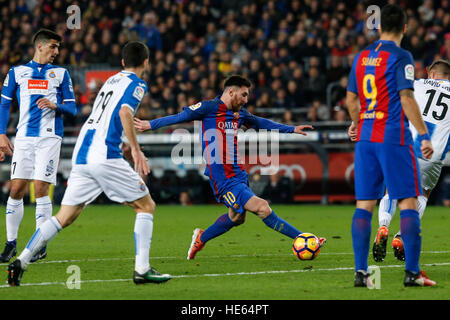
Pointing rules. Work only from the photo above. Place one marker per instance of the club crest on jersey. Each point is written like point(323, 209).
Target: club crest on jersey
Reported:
point(142, 186)
point(409, 72)
point(138, 93)
point(52, 74)
point(37, 86)
point(236, 115)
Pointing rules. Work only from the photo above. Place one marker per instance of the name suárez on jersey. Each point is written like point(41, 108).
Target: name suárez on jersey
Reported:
point(374, 62)
point(436, 84)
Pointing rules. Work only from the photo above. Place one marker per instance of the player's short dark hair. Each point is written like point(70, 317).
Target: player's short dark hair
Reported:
point(393, 19)
point(45, 35)
point(134, 54)
point(236, 80)
point(441, 66)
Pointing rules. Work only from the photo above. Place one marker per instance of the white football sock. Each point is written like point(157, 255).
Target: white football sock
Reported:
point(143, 229)
point(43, 210)
point(386, 211)
point(14, 215)
point(46, 232)
point(421, 205)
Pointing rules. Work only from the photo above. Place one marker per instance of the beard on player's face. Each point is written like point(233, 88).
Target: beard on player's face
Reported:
point(236, 105)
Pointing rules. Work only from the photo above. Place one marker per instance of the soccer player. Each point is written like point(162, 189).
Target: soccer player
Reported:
point(220, 120)
point(380, 99)
point(98, 166)
point(433, 97)
point(44, 93)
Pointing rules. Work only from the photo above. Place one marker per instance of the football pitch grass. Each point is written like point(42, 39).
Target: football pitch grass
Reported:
point(250, 262)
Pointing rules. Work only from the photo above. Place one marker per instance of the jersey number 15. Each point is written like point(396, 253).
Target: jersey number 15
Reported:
point(439, 103)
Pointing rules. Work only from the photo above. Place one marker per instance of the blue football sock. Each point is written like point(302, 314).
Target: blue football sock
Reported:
point(412, 239)
point(361, 227)
point(222, 225)
point(276, 223)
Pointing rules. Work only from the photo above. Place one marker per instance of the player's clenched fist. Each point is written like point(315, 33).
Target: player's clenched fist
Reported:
point(427, 149)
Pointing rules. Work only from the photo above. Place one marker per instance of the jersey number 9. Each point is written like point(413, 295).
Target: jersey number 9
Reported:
point(369, 81)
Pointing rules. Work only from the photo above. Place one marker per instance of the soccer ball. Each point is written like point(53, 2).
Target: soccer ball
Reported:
point(306, 246)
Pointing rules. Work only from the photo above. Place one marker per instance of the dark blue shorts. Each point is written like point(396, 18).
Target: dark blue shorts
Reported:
point(236, 196)
point(382, 165)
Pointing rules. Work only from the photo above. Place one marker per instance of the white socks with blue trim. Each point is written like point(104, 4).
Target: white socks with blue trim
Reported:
point(43, 210)
point(46, 232)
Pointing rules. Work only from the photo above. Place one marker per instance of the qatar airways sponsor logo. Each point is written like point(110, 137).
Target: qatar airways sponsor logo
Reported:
point(253, 147)
point(223, 125)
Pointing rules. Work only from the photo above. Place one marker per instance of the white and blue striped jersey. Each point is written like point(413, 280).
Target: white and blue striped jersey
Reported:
point(29, 83)
point(101, 135)
point(433, 97)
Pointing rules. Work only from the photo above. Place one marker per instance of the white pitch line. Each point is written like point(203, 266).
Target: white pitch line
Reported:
point(209, 256)
point(224, 274)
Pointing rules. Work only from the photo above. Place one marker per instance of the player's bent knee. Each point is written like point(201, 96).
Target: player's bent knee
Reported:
point(264, 209)
point(68, 214)
point(17, 191)
point(240, 219)
point(145, 204)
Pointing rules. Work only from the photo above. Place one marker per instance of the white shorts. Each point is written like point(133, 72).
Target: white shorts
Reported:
point(36, 158)
point(114, 177)
point(429, 172)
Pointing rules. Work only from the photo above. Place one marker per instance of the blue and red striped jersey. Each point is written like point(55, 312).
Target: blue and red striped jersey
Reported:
point(218, 135)
point(378, 74)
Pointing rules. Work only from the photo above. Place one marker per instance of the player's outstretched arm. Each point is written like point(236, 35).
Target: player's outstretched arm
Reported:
point(188, 114)
point(256, 122)
point(412, 112)
point(140, 161)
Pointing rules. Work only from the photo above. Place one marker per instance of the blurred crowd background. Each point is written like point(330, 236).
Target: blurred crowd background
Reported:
point(297, 53)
